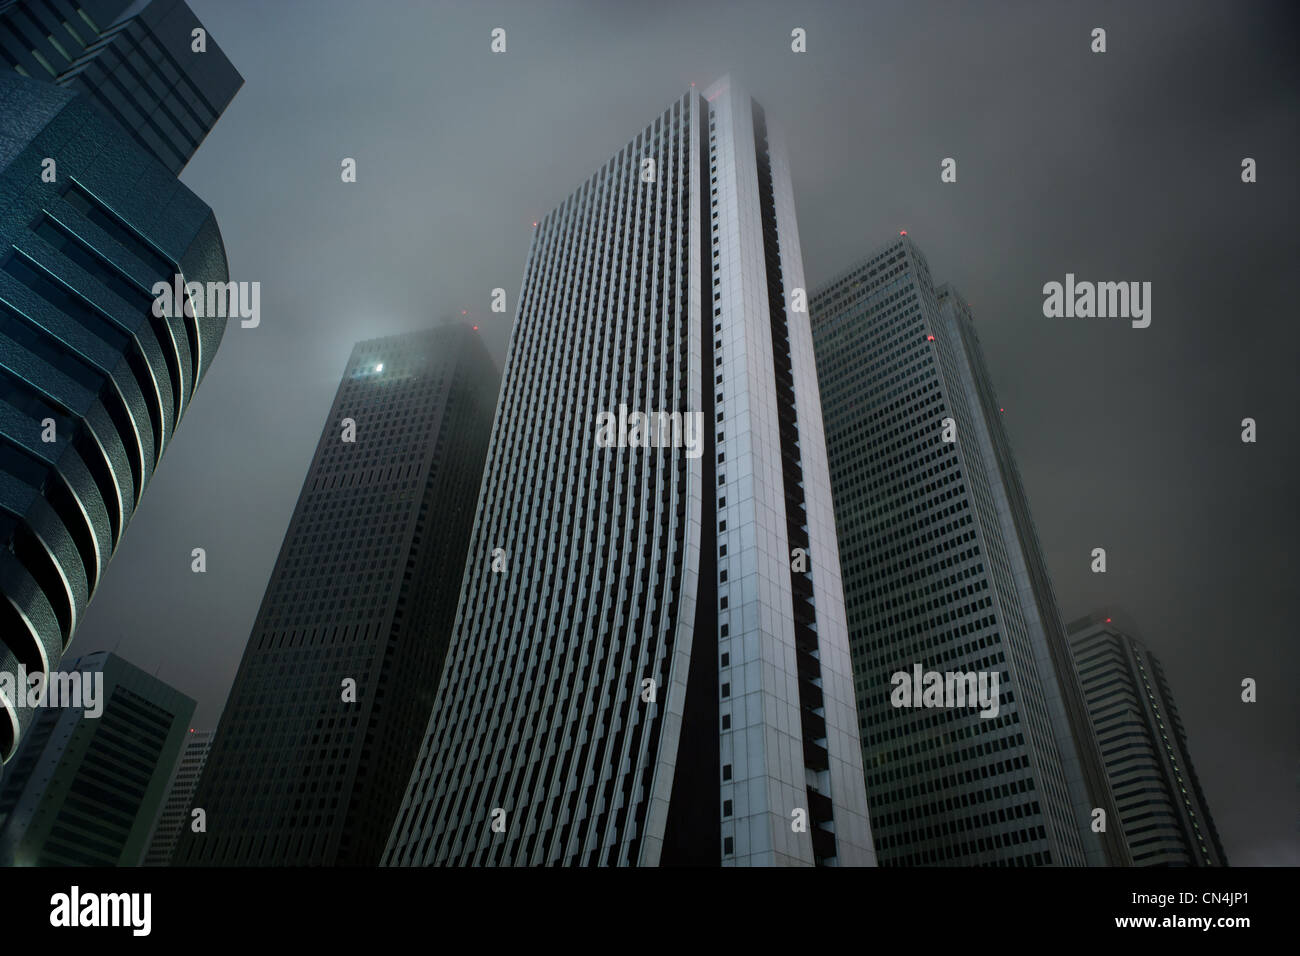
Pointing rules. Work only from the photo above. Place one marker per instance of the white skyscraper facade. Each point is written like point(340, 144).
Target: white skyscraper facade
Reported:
point(650, 662)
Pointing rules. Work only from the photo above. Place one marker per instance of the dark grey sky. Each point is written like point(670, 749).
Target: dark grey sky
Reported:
point(1118, 166)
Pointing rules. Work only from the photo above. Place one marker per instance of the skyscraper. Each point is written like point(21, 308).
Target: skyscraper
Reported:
point(177, 809)
point(1162, 810)
point(147, 64)
point(650, 663)
point(323, 722)
point(92, 384)
point(943, 571)
point(88, 780)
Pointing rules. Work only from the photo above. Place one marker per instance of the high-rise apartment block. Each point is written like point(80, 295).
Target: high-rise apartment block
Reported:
point(1162, 809)
point(324, 720)
point(650, 663)
point(943, 572)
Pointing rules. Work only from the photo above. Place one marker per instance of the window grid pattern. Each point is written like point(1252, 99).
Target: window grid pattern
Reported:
point(548, 724)
point(360, 591)
point(928, 580)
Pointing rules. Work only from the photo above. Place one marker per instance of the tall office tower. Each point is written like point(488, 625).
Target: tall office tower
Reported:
point(138, 60)
point(943, 569)
point(650, 663)
point(1162, 809)
point(323, 722)
point(92, 384)
point(88, 779)
point(177, 809)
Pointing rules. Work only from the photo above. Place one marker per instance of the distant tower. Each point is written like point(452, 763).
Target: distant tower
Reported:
point(84, 789)
point(659, 672)
point(323, 722)
point(942, 569)
point(1162, 808)
point(177, 809)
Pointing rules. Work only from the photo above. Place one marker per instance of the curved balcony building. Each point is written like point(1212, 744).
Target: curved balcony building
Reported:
point(92, 384)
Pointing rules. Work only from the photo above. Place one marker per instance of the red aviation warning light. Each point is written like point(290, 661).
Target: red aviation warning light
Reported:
point(902, 232)
point(929, 338)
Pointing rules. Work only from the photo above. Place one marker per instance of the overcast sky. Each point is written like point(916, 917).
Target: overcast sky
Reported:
point(1116, 166)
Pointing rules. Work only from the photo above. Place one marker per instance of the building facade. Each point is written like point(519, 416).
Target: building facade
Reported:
point(943, 572)
point(93, 384)
point(1162, 809)
point(323, 722)
point(149, 65)
point(88, 780)
point(650, 663)
point(177, 809)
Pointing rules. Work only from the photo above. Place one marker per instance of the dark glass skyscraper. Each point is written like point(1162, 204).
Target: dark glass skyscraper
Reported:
point(92, 384)
point(650, 664)
point(134, 59)
point(87, 783)
point(323, 722)
point(1162, 810)
point(943, 571)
